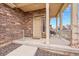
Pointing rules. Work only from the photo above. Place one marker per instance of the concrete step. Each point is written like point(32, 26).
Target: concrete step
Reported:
point(61, 53)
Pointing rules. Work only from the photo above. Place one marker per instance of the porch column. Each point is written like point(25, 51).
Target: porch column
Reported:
point(47, 23)
point(61, 26)
point(56, 24)
point(74, 26)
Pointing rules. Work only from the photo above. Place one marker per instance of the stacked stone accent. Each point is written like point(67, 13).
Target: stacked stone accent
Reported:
point(74, 24)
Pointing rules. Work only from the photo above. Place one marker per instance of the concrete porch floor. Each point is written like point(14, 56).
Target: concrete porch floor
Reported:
point(30, 46)
point(52, 40)
point(27, 50)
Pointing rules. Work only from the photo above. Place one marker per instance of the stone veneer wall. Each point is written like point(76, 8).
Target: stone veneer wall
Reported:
point(10, 23)
point(28, 24)
point(14, 21)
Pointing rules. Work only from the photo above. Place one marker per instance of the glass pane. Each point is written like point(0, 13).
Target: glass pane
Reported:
point(53, 22)
point(66, 20)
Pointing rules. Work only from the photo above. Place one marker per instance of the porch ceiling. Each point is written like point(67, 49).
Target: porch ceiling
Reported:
point(30, 6)
point(55, 8)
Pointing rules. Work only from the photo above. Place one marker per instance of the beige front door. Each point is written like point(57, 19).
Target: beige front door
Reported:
point(37, 27)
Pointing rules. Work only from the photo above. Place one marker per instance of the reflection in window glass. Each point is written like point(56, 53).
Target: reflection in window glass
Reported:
point(66, 18)
point(53, 22)
point(66, 21)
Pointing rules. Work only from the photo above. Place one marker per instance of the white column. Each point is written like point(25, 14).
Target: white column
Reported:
point(47, 23)
point(56, 24)
point(61, 26)
point(74, 26)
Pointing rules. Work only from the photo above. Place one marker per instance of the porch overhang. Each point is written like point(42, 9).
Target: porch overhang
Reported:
point(54, 10)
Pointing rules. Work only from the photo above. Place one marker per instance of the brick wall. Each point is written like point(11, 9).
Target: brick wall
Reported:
point(28, 24)
point(14, 21)
point(10, 23)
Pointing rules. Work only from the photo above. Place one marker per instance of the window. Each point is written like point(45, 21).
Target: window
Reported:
point(66, 18)
point(53, 22)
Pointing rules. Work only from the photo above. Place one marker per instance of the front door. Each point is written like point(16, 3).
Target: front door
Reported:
point(37, 27)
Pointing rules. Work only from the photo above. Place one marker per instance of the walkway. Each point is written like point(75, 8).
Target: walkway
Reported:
point(23, 51)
